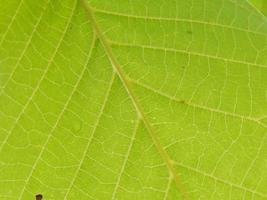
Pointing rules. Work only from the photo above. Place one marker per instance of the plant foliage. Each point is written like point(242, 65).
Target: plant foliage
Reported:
point(145, 100)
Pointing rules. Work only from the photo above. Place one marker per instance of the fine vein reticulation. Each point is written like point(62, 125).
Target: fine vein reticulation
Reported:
point(126, 83)
point(118, 99)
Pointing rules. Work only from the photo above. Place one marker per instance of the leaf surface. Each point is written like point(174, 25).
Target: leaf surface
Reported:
point(261, 5)
point(118, 99)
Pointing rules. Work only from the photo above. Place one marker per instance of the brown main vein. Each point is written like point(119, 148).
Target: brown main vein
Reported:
point(164, 155)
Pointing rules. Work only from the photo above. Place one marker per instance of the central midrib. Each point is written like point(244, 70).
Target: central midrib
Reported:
point(164, 155)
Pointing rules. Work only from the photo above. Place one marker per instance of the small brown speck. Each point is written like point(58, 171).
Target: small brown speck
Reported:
point(38, 197)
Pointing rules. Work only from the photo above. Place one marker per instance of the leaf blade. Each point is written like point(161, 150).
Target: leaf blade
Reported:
point(199, 90)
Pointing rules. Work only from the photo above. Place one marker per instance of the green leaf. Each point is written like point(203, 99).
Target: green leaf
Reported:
point(118, 99)
point(261, 5)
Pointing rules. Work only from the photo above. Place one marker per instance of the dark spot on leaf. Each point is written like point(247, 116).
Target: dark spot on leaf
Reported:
point(38, 197)
point(182, 101)
point(189, 32)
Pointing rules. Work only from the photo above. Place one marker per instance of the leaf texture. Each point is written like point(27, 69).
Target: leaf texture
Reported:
point(133, 99)
point(261, 5)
